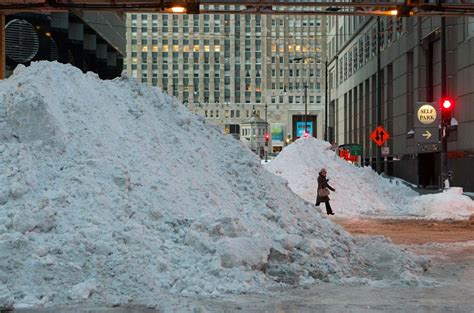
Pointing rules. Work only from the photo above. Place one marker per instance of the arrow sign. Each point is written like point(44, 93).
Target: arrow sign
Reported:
point(379, 136)
point(427, 135)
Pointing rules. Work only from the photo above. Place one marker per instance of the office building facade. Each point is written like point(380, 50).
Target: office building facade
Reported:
point(225, 66)
point(410, 56)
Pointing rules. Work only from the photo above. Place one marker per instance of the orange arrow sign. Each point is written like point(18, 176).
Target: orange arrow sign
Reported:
point(379, 136)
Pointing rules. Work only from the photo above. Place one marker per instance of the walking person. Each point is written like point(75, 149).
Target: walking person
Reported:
point(323, 191)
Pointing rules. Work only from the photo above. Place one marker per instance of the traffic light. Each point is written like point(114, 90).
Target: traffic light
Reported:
point(447, 106)
point(267, 138)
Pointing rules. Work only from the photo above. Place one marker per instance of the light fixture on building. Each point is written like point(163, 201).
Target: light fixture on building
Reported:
point(411, 133)
point(454, 122)
point(178, 9)
point(182, 6)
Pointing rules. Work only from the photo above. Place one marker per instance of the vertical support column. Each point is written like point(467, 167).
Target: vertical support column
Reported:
point(3, 59)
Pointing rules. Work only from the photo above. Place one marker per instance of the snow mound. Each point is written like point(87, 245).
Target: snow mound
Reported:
point(111, 191)
point(450, 204)
point(361, 191)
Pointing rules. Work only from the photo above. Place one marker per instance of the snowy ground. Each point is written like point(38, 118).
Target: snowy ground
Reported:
point(360, 191)
point(452, 267)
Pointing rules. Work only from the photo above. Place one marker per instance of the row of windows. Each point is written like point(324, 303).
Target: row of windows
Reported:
point(295, 20)
point(227, 113)
point(366, 47)
point(199, 47)
point(257, 47)
point(255, 132)
point(247, 58)
point(295, 99)
point(230, 114)
point(294, 48)
point(299, 72)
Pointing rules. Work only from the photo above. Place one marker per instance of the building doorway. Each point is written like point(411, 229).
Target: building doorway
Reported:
point(428, 170)
point(298, 125)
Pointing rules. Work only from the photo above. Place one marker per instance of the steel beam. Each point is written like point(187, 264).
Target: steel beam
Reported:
point(3, 60)
point(364, 7)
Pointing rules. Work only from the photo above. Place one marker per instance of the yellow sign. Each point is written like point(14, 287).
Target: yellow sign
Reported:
point(426, 114)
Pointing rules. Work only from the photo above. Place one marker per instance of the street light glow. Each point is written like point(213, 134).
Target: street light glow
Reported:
point(393, 12)
point(178, 9)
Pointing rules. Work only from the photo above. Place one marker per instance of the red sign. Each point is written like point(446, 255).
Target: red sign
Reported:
point(346, 155)
point(379, 136)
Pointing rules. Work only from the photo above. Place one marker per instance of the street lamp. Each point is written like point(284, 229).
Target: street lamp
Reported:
point(305, 110)
point(326, 97)
point(266, 135)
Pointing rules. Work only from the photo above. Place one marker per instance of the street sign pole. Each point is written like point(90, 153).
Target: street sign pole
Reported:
point(444, 133)
point(379, 96)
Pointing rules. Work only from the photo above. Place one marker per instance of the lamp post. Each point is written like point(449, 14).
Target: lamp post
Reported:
point(305, 109)
point(379, 95)
point(326, 105)
point(266, 135)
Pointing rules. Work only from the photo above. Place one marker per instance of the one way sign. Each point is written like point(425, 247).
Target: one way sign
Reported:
point(380, 135)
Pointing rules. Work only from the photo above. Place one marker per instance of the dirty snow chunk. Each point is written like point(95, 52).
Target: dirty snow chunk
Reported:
point(243, 251)
point(6, 298)
point(289, 241)
point(83, 290)
point(313, 246)
point(43, 220)
point(117, 181)
point(4, 190)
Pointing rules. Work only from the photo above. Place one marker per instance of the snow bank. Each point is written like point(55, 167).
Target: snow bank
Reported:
point(451, 204)
point(360, 191)
point(112, 191)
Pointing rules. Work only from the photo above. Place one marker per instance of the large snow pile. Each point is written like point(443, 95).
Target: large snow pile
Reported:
point(112, 191)
point(360, 191)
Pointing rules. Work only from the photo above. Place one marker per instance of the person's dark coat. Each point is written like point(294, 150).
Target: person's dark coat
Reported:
point(323, 183)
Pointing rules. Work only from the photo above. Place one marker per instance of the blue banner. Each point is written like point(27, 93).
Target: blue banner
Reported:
point(300, 128)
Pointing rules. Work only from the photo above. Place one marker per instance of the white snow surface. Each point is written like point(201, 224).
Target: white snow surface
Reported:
point(111, 192)
point(360, 191)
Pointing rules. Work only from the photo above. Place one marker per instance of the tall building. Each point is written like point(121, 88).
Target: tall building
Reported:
point(225, 66)
point(410, 56)
point(90, 41)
